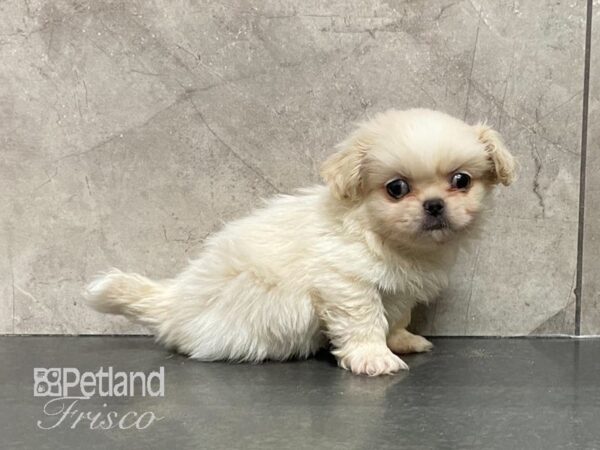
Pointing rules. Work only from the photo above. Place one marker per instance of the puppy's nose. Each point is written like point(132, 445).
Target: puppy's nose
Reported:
point(434, 206)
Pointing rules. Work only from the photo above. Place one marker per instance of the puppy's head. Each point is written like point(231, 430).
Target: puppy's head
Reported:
point(421, 176)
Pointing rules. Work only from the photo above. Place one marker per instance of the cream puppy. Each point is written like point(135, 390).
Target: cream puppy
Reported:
point(341, 264)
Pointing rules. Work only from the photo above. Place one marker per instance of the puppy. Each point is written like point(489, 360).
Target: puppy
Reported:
point(341, 264)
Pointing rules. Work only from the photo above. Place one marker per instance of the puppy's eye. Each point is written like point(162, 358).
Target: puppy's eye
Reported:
point(460, 180)
point(397, 188)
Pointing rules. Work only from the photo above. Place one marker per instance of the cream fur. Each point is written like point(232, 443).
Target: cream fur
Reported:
point(340, 264)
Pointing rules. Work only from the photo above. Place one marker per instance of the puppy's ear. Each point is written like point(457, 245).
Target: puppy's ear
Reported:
point(343, 171)
point(503, 163)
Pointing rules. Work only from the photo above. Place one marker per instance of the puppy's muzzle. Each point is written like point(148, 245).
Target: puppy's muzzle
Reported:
point(434, 215)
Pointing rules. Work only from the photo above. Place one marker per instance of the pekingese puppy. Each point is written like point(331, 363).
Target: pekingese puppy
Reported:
point(341, 264)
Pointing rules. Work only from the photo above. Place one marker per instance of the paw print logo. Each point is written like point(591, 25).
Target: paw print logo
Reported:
point(46, 382)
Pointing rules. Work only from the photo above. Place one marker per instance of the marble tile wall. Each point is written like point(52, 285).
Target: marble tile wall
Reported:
point(590, 304)
point(129, 130)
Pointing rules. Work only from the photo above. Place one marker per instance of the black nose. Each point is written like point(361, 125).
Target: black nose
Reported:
point(434, 206)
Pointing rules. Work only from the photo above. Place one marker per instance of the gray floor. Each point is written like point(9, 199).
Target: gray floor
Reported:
point(467, 393)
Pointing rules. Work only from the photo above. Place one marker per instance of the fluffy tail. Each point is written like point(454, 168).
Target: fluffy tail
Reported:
point(129, 294)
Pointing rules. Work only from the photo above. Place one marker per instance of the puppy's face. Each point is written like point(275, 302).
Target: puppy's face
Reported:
point(421, 176)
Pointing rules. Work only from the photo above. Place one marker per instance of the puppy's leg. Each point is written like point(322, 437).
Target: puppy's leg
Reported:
point(356, 326)
point(403, 341)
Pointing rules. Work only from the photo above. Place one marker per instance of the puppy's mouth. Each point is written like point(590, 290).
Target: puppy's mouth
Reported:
point(431, 223)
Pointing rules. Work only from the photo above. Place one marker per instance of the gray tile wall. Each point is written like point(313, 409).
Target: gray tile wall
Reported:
point(130, 130)
point(590, 304)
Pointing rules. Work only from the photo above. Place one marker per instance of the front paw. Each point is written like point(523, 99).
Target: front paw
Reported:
point(370, 360)
point(402, 341)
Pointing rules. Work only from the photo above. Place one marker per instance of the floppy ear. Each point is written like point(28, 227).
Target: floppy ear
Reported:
point(343, 171)
point(503, 169)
